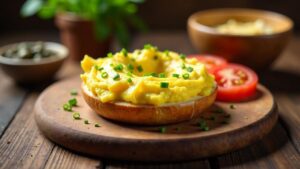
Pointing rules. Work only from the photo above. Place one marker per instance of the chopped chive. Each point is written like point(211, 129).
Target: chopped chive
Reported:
point(116, 77)
point(118, 67)
point(182, 56)
point(155, 57)
point(183, 66)
point(129, 80)
point(74, 92)
point(110, 55)
point(162, 129)
point(175, 75)
point(104, 75)
point(72, 102)
point(203, 126)
point(154, 74)
point(162, 75)
point(186, 76)
point(124, 51)
point(67, 107)
point(148, 46)
point(140, 68)
point(97, 125)
point(164, 84)
point(232, 106)
point(129, 74)
point(139, 52)
point(97, 67)
point(167, 52)
point(86, 121)
point(189, 69)
point(132, 59)
point(130, 67)
point(76, 116)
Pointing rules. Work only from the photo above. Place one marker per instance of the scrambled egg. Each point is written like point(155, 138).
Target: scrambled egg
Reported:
point(257, 27)
point(146, 76)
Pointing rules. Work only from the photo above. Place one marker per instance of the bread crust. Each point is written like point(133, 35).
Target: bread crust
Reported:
point(149, 114)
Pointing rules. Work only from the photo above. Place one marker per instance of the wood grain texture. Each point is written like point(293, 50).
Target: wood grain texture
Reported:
point(201, 164)
point(61, 158)
point(12, 97)
point(250, 121)
point(274, 151)
point(22, 145)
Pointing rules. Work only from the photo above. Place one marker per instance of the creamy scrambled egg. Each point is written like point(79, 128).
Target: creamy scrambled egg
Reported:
point(146, 76)
point(257, 27)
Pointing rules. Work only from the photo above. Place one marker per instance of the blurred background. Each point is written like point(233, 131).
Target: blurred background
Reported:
point(158, 14)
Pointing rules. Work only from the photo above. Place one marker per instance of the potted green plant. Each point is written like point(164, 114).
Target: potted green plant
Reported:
point(87, 26)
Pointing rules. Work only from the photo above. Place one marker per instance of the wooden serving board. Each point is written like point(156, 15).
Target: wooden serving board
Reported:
point(230, 128)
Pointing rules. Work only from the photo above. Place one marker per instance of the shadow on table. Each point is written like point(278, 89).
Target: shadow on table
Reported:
point(260, 152)
point(281, 81)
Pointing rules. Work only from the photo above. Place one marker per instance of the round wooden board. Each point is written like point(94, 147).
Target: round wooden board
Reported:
point(230, 128)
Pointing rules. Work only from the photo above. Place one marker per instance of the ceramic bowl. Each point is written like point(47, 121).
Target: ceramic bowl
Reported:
point(30, 71)
point(255, 51)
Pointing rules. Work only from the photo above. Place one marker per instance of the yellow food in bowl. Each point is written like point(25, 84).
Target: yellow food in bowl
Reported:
point(146, 76)
point(257, 27)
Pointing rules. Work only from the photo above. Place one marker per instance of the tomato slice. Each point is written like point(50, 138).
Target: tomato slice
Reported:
point(212, 62)
point(235, 83)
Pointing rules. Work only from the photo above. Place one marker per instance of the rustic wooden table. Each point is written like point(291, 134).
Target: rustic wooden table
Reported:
point(23, 146)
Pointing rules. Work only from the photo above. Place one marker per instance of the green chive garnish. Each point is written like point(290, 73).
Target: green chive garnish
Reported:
point(162, 75)
point(203, 126)
point(119, 67)
point(129, 74)
point(162, 129)
point(98, 67)
point(67, 107)
point(186, 76)
point(164, 84)
point(76, 116)
point(104, 75)
point(154, 74)
point(175, 75)
point(189, 69)
point(124, 51)
point(148, 46)
point(182, 56)
point(183, 66)
point(129, 80)
point(97, 125)
point(74, 92)
point(167, 52)
point(140, 68)
point(86, 121)
point(110, 55)
point(72, 102)
point(130, 67)
point(116, 77)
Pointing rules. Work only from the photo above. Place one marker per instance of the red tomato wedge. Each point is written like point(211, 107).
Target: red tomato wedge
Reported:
point(235, 82)
point(212, 62)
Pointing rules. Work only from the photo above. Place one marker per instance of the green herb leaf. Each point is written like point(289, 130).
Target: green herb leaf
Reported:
point(185, 76)
point(86, 121)
point(118, 67)
point(175, 75)
point(116, 77)
point(130, 67)
point(76, 116)
point(74, 92)
point(140, 68)
point(124, 51)
point(67, 107)
point(72, 102)
point(189, 69)
point(104, 75)
point(97, 125)
point(164, 84)
point(129, 80)
point(182, 56)
point(110, 55)
point(162, 75)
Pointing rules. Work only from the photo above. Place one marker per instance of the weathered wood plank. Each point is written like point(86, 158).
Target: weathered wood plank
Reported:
point(203, 164)
point(22, 145)
point(274, 151)
point(61, 158)
point(12, 97)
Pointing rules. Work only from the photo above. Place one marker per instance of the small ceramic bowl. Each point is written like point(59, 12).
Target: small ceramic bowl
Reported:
point(255, 51)
point(30, 71)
